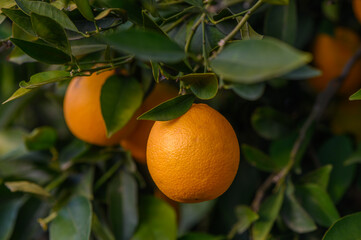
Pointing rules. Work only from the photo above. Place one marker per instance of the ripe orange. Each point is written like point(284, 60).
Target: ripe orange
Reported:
point(356, 4)
point(195, 157)
point(136, 142)
point(82, 111)
point(330, 56)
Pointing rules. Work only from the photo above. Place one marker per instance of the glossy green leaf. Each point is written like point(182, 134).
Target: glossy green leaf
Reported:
point(85, 9)
point(120, 98)
point(250, 92)
point(318, 204)
point(294, 216)
point(19, 57)
point(149, 23)
point(18, 93)
point(73, 220)
point(200, 236)
point(48, 10)
point(19, 33)
point(50, 31)
point(269, 123)
point(259, 159)
point(356, 96)
point(268, 213)
point(8, 213)
point(255, 61)
point(304, 72)
point(41, 138)
point(203, 85)
point(122, 198)
point(248, 33)
point(281, 22)
point(246, 216)
point(42, 78)
point(146, 45)
point(320, 177)
point(41, 52)
point(336, 151)
point(27, 187)
point(7, 4)
point(346, 228)
point(157, 220)
point(21, 19)
point(170, 109)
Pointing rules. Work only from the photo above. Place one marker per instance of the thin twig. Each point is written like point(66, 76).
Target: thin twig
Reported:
point(193, 30)
point(319, 107)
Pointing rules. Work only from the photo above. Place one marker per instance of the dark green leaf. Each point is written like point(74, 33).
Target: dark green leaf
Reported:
point(41, 138)
point(157, 220)
point(146, 45)
point(85, 186)
point(356, 96)
point(355, 157)
point(27, 187)
point(42, 78)
point(8, 214)
point(100, 230)
point(41, 52)
point(304, 72)
point(255, 61)
point(281, 22)
point(258, 159)
point(50, 31)
point(200, 236)
point(318, 204)
point(203, 85)
point(248, 33)
point(268, 213)
point(19, 33)
point(320, 177)
point(73, 220)
point(249, 92)
point(85, 9)
point(18, 93)
point(346, 228)
point(245, 217)
point(336, 151)
point(48, 10)
point(270, 123)
point(149, 23)
point(120, 98)
point(19, 57)
point(170, 109)
point(122, 198)
point(21, 19)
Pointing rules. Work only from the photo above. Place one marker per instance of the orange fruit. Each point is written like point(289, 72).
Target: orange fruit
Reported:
point(136, 142)
point(330, 56)
point(195, 157)
point(356, 5)
point(82, 111)
point(346, 119)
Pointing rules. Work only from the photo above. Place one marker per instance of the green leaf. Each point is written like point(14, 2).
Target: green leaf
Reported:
point(122, 198)
point(336, 151)
point(203, 85)
point(170, 109)
point(50, 31)
point(255, 61)
point(200, 236)
point(269, 123)
point(281, 22)
point(48, 10)
point(318, 204)
point(19, 33)
point(258, 159)
point(245, 217)
point(120, 98)
point(149, 23)
point(27, 187)
point(42, 78)
point(101, 231)
point(250, 92)
point(355, 157)
point(18, 93)
point(248, 33)
point(8, 213)
point(157, 220)
point(356, 96)
point(73, 220)
point(155, 71)
point(85, 186)
point(41, 138)
point(268, 213)
point(41, 52)
point(320, 177)
point(346, 228)
point(146, 45)
point(85, 9)
point(7, 4)
point(278, 2)
point(294, 216)
point(304, 72)
point(21, 19)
